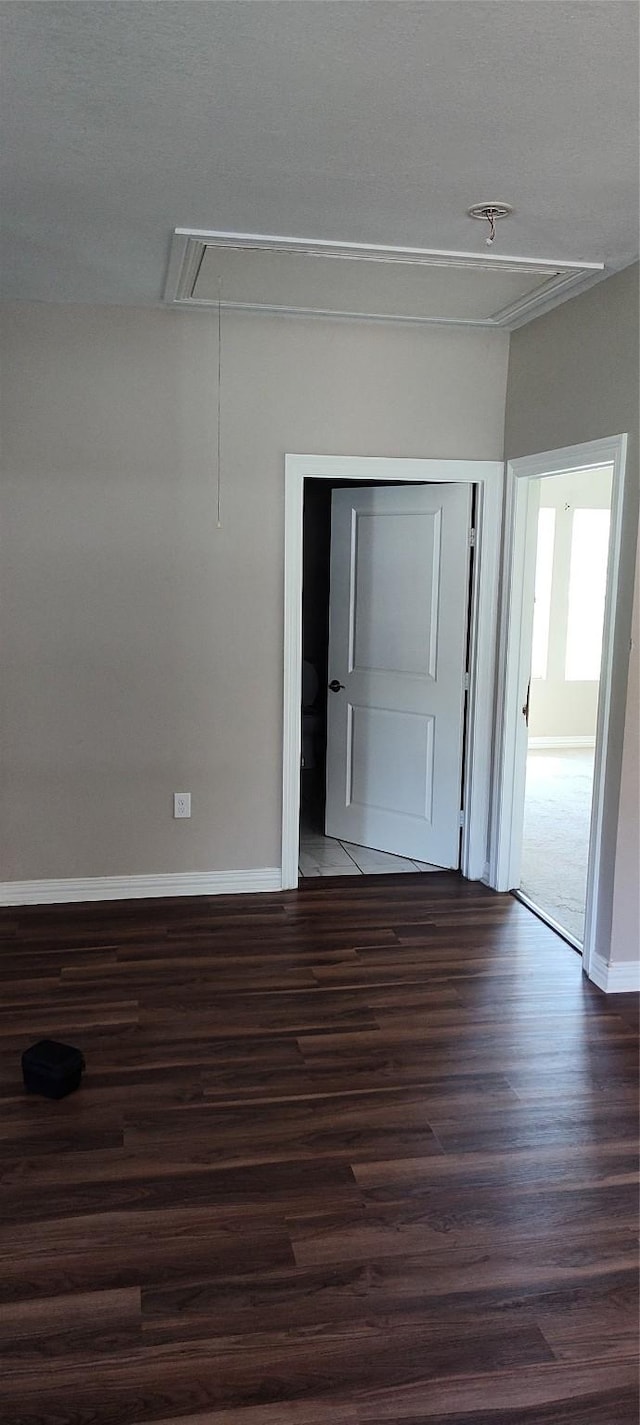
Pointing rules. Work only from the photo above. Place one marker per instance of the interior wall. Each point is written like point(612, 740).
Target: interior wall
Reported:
point(560, 706)
point(573, 377)
point(625, 936)
point(142, 645)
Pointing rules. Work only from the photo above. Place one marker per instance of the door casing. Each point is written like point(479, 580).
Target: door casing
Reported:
point(508, 786)
point(488, 477)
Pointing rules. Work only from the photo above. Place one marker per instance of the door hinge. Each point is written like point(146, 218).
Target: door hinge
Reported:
point(462, 818)
point(472, 539)
point(466, 682)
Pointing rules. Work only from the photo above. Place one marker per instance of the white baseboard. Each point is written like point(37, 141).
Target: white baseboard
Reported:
point(617, 979)
point(116, 888)
point(535, 743)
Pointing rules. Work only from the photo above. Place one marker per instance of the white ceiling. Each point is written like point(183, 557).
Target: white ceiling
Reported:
point(363, 121)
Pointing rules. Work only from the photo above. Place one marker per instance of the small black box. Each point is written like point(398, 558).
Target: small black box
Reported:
point(52, 1069)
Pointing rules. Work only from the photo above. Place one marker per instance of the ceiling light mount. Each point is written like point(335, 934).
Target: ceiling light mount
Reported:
point(490, 213)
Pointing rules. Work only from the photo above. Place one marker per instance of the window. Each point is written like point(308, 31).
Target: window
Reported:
point(542, 596)
point(587, 589)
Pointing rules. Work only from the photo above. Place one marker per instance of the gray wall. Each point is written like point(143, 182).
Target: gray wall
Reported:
point(573, 376)
point(142, 646)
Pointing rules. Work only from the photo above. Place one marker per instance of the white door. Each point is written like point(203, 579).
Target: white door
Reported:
point(397, 659)
point(529, 517)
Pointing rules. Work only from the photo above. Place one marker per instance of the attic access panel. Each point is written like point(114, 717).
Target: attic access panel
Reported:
point(286, 274)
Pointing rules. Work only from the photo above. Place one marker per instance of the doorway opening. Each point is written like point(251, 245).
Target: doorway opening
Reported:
point(572, 546)
point(379, 724)
point(360, 598)
point(564, 656)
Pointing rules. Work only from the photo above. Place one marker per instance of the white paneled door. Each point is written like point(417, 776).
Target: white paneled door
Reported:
point(397, 660)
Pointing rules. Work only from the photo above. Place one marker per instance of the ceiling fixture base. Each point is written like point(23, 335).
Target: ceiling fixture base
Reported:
point(490, 213)
point(485, 211)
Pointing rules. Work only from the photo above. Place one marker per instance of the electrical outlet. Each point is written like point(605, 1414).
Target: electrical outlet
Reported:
point(182, 804)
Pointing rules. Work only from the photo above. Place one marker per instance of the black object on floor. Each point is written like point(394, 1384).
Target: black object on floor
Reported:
point(52, 1069)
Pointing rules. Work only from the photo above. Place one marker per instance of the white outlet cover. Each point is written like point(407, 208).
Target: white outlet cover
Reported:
point(181, 804)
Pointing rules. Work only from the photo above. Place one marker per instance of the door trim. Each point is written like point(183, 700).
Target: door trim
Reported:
point(613, 676)
point(488, 477)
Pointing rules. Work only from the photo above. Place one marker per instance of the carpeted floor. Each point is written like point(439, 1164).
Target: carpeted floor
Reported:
point(556, 833)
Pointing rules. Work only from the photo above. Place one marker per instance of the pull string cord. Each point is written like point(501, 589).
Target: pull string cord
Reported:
point(219, 421)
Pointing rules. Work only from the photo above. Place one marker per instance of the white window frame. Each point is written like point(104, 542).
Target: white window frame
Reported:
point(569, 658)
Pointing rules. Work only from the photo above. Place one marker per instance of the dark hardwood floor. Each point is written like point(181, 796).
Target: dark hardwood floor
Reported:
point(362, 1154)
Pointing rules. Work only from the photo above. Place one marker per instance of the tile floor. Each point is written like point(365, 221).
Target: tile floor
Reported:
point(322, 856)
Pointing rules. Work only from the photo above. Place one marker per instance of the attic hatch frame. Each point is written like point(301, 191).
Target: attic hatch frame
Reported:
point(189, 247)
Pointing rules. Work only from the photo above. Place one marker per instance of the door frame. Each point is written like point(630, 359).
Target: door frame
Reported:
point(488, 477)
point(511, 694)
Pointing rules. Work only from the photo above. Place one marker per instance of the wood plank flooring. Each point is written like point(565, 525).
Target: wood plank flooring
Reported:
point(361, 1154)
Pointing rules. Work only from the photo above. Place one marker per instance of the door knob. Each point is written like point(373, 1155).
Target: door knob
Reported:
point(335, 686)
point(525, 710)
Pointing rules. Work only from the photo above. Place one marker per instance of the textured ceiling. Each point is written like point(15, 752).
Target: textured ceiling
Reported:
point(371, 122)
